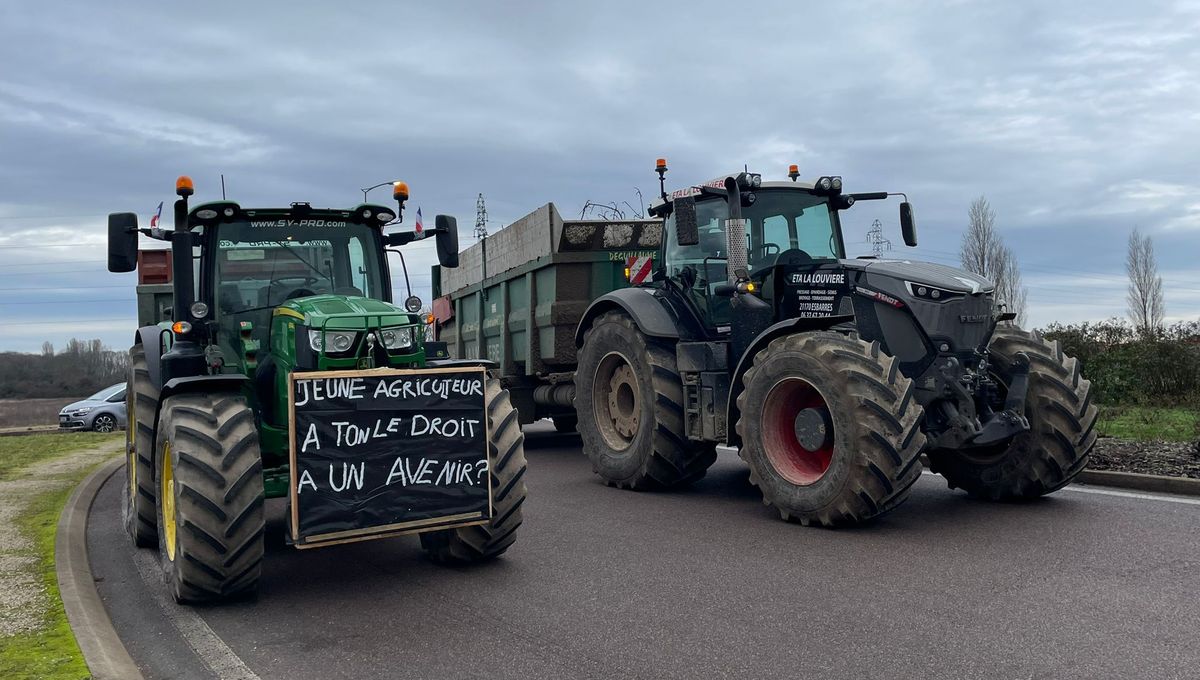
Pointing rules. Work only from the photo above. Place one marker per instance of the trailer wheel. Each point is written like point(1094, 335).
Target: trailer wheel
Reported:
point(829, 428)
point(210, 497)
point(629, 397)
point(506, 453)
point(1062, 420)
point(141, 400)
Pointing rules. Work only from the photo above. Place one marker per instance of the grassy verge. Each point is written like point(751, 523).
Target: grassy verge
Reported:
point(1149, 423)
point(50, 652)
point(17, 453)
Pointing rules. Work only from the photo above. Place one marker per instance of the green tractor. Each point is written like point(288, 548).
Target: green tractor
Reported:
point(259, 295)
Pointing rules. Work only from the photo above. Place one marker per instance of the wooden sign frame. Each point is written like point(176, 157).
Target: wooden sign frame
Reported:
point(389, 530)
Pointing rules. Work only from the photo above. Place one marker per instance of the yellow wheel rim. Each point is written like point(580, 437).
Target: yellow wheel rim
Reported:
point(131, 446)
point(168, 501)
point(132, 464)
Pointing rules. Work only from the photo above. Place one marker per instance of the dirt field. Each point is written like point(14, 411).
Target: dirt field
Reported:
point(26, 412)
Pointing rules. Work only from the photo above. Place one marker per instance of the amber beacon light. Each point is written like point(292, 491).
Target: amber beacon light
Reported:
point(400, 191)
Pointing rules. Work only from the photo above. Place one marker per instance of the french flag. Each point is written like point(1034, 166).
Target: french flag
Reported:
point(419, 227)
point(155, 230)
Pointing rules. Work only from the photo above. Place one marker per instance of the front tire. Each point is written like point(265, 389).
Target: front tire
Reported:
point(506, 456)
point(210, 497)
point(629, 397)
point(829, 428)
point(1062, 420)
point(141, 402)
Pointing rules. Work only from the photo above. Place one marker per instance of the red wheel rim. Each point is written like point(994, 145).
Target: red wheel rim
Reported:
point(777, 423)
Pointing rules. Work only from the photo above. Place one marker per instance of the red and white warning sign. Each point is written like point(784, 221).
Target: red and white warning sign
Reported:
point(639, 269)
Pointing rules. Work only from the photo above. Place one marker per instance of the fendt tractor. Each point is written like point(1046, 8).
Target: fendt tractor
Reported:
point(259, 297)
point(751, 328)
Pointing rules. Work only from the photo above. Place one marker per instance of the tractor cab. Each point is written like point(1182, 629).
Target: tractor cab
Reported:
point(780, 220)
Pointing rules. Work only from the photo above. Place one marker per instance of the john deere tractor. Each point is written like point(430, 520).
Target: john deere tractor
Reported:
point(832, 375)
point(257, 295)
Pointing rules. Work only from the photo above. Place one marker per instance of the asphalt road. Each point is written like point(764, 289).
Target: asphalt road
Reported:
point(705, 583)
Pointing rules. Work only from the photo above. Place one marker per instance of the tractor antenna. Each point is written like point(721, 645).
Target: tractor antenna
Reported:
point(222, 186)
point(879, 244)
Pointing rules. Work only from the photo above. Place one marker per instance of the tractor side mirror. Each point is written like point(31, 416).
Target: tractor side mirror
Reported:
point(908, 224)
point(687, 232)
point(446, 240)
point(122, 242)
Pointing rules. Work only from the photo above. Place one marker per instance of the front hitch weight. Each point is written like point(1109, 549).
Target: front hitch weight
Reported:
point(1019, 386)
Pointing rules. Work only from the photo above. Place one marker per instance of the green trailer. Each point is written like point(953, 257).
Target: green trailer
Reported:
point(518, 295)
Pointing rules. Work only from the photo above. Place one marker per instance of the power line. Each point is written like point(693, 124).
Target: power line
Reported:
point(65, 302)
point(64, 321)
point(51, 245)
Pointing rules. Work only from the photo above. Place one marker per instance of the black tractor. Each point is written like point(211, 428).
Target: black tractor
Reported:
point(831, 375)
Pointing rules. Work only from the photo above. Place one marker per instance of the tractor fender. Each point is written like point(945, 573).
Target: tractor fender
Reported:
point(196, 383)
point(786, 327)
point(647, 307)
point(229, 382)
point(150, 337)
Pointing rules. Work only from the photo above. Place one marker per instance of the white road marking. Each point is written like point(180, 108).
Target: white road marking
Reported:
point(1112, 492)
point(209, 648)
point(1133, 494)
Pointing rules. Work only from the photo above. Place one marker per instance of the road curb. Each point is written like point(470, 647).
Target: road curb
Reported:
point(102, 649)
point(1180, 486)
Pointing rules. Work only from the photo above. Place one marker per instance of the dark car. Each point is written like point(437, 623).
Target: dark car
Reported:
point(104, 411)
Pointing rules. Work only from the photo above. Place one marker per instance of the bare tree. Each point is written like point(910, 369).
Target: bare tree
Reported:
point(1145, 296)
point(983, 252)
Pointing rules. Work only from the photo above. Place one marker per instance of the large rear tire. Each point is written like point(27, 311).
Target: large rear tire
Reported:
point(141, 402)
point(506, 453)
point(1062, 420)
point(829, 428)
point(629, 397)
point(210, 497)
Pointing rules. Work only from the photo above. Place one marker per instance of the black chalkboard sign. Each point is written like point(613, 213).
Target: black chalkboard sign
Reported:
point(385, 451)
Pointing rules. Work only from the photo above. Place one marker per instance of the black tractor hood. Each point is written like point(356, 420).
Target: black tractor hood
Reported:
point(937, 275)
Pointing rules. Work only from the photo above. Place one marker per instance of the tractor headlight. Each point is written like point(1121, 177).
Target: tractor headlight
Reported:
point(333, 342)
point(399, 337)
point(923, 291)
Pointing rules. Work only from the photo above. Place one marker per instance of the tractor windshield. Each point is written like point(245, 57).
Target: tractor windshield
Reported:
point(260, 265)
point(780, 219)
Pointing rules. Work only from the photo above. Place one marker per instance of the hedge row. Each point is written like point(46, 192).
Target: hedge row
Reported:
point(1125, 367)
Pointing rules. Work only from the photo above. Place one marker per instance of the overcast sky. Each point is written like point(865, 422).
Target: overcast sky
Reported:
point(1077, 120)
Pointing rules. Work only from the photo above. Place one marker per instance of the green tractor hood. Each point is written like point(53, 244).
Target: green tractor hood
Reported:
point(350, 313)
